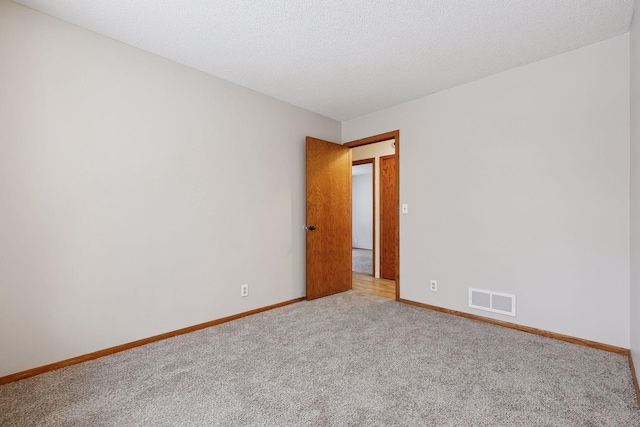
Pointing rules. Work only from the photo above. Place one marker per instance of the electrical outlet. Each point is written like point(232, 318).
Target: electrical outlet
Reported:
point(244, 290)
point(434, 286)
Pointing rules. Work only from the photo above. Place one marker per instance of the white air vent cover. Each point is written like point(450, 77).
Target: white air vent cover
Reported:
point(495, 302)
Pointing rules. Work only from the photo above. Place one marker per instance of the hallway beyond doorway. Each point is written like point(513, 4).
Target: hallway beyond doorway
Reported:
point(362, 261)
point(381, 287)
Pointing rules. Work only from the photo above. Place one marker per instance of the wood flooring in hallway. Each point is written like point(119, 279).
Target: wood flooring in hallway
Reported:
point(381, 287)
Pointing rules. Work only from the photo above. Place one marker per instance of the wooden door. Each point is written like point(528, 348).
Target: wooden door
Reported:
point(328, 218)
point(388, 217)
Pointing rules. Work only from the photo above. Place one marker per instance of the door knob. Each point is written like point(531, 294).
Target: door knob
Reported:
point(310, 227)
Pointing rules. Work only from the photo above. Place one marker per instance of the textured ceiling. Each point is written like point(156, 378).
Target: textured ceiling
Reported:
point(344, 59)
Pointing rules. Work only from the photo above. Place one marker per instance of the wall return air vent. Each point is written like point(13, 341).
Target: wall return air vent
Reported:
point(496, 302)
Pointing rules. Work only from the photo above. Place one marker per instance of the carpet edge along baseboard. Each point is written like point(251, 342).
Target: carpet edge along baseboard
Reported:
point(535, 331)
point(635, 377)
point(122, 347)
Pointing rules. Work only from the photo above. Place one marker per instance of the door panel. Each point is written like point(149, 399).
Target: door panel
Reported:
point(388, 217)
point(329, 214)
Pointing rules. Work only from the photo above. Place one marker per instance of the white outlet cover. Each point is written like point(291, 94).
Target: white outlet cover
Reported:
point(434, 285)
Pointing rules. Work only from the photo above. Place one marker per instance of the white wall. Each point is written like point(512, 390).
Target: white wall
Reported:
point(362, 210)
point(375, 151)
point(635, 187)
point(137, 195)
point(519, 183)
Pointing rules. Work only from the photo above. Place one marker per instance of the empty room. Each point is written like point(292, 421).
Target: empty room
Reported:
point(178, 194)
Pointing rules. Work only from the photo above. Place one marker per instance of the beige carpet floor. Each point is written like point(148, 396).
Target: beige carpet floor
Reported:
point(351, 359)
point(362, 261)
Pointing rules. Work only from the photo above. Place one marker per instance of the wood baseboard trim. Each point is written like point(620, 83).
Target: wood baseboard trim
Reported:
point(635, 378)
point(535, 331)
point(111, 350)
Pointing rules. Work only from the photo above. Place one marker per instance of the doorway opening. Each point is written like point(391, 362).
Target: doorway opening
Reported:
point(364, 213)
point(375, 210)
point(329, 216)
